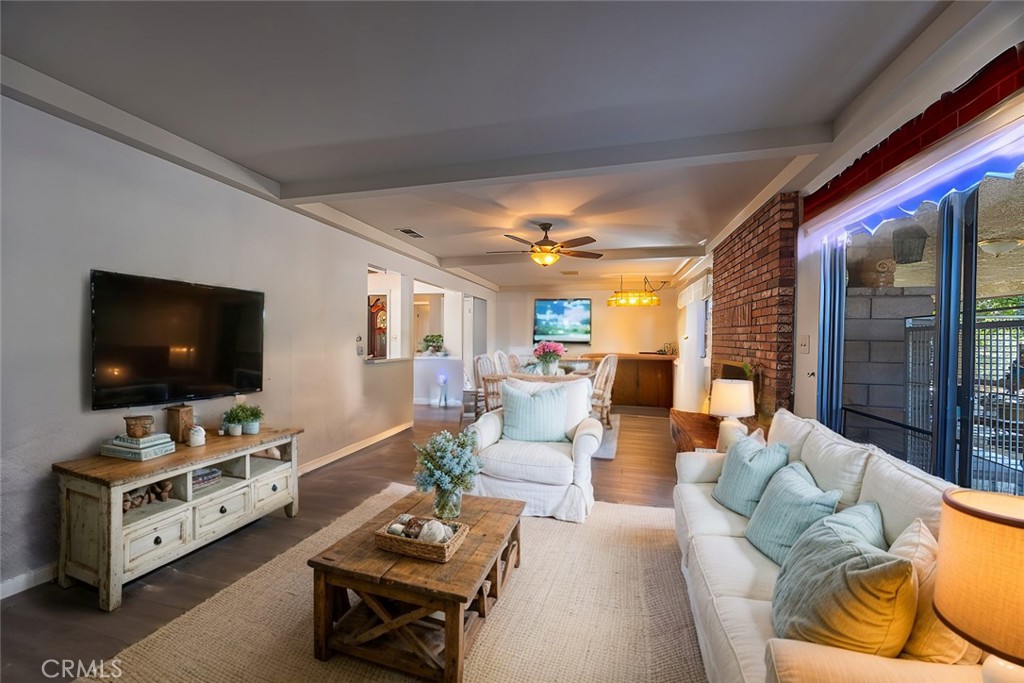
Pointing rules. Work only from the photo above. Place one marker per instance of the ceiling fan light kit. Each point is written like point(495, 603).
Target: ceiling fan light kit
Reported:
point(546, 251)
point(544, 258)
point(636, 297)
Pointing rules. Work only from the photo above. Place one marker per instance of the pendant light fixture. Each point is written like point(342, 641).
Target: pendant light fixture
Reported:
point(637, 297)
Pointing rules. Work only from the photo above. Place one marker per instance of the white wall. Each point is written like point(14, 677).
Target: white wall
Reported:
point(807, 312)
point(693, 373)
point(74, 200)
point(614, 330)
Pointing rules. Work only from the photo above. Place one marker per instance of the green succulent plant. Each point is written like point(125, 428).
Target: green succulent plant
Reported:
point(241, 413)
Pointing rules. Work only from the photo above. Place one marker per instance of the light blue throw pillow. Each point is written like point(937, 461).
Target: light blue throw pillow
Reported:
point(748, 467)
point(534, 417)
point(790, 504)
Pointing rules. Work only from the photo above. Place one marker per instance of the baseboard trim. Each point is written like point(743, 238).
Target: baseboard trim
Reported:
point(31, 579)
point(305, 468)
point(428, 402)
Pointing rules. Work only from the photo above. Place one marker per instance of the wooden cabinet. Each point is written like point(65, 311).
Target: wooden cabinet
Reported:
point(104, 546)
point(642, 379)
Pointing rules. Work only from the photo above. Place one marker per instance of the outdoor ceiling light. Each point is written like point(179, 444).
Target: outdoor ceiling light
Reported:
point(999, 247)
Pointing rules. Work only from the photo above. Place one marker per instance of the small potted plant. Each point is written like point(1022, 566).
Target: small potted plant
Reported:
point(246, 416)
point(448, 465)
point(434, 343)
point(252, 415)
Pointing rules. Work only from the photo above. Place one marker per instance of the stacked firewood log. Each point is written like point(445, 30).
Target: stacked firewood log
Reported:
point(147, 494)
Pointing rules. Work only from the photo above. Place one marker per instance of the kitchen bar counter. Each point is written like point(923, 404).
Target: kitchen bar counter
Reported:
point(642, 379)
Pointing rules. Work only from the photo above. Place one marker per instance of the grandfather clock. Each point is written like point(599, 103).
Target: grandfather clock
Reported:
point(377, 324)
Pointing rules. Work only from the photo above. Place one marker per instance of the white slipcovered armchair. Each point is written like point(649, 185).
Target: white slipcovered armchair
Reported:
point(551, 477)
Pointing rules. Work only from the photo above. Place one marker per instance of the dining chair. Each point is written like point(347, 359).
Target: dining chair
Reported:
point(604, 378)
point(502, 361)
point(514, 363)
point(488, 395)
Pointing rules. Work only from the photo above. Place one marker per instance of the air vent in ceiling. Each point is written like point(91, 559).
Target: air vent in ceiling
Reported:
point(571, 273)
point(411, 233)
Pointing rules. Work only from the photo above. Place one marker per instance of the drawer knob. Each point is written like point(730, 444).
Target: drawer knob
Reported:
point(274, 487)
point(157, 540)
point(223, 509)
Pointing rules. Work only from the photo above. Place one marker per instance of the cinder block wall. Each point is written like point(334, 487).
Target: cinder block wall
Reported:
point(753, 284)
point(874, 363)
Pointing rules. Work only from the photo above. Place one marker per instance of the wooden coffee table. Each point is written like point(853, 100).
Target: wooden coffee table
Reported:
point(397, 621)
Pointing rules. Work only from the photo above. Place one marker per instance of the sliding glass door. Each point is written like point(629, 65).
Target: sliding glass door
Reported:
point(933, 328)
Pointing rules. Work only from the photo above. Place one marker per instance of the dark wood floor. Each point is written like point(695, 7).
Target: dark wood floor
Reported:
point(48, 622)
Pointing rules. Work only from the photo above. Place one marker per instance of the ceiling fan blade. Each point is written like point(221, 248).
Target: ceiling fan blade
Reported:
point(508, 252)
point(578, 242)
point(519, 239)
point(581, 254)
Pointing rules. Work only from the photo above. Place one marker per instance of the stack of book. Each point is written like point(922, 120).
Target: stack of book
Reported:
point(207, 476)
point(141, 448)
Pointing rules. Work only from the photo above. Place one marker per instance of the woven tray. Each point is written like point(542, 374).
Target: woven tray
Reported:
point(413, 547)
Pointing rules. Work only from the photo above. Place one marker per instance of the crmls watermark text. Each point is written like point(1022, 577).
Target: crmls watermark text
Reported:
point(76, 668)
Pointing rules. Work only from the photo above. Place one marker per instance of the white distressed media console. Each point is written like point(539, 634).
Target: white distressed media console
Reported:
point(104, 546)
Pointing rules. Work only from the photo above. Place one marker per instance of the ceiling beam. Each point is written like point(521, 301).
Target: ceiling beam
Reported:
point(28, 86)
point(635, 254)
point(713, 149)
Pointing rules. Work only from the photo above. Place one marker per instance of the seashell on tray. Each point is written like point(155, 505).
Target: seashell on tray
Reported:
point(435, 532)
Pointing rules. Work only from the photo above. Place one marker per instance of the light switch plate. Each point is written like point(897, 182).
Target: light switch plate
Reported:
point(803, 344)
point(359, 350)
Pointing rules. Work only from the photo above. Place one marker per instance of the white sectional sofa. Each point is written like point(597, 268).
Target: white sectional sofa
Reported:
point(730, 582)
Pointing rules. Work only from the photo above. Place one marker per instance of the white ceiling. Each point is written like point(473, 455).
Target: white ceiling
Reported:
point(645, 125)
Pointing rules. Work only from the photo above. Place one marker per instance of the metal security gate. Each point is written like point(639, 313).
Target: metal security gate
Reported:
point(920, 346)
point(998, 419)
point(997, 407)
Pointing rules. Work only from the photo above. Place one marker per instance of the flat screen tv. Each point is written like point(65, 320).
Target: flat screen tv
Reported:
point(163, 341)
point(561, 320)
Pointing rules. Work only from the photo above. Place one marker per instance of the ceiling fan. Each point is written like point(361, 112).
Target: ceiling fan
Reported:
point(546, 251)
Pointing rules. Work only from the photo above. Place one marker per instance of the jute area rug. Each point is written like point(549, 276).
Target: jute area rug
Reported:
point(602, 601)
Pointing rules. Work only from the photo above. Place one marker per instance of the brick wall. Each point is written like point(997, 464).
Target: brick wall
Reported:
point(997, 80)
point(753, 279)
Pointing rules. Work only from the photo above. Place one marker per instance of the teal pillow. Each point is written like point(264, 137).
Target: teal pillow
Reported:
point(837, 588)
point(749, 465)
point(861, 522)
point(534, 417)
point(791, 503)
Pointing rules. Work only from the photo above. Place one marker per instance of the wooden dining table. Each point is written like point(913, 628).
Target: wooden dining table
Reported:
point(492, 383)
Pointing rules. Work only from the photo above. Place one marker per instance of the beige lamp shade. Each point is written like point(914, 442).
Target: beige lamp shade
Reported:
point(979, 585)
point(732, 398)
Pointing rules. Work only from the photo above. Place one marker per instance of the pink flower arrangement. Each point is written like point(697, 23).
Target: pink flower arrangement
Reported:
point(549, 351)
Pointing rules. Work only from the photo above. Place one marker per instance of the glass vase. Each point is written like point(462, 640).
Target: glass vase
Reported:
point(447, 504)
point(549, 367)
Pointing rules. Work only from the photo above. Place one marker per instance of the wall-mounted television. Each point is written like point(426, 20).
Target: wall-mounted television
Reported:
point(561, 320)
point(163, 341)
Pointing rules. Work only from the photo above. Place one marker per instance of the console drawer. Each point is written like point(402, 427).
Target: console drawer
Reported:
point(271, 488)
point(222, 512)
point(151, 542)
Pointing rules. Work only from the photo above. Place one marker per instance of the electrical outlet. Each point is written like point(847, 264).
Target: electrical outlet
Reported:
point(803, 344)
point(239, 399)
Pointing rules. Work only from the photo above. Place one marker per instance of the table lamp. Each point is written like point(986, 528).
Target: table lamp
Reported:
point(979, 588)
point(730, 399)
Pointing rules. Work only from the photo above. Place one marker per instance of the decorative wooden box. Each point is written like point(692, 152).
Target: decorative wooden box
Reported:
point(413, 547)
point(179, 422)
